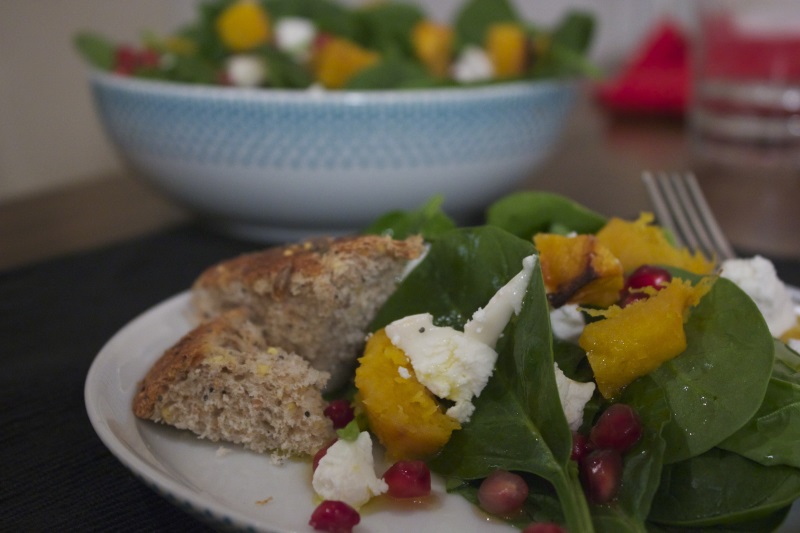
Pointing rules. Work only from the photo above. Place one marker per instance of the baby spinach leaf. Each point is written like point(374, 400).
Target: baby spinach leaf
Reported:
point(429, 220)
point(772, 436)
point(720, 487)
point(527, 213)
point(476, 16)
point(96, 49)
point(612, 519)
point(461, 272)
point(327, 16)
point(387, 27)
point(766, 524)
point(574, 32)
point(283, 71)
point(392, 73)
point(727, 339)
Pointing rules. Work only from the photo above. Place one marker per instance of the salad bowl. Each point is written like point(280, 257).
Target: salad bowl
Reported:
point(282, 164)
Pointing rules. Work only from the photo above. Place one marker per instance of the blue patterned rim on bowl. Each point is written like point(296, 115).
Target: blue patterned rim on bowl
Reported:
point(261, 162)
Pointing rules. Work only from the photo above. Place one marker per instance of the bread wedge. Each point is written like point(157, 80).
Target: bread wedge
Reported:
point(225, 382)
point(314, 298)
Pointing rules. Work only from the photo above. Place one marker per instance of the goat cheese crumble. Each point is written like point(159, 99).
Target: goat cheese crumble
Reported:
point(574, 396)
point(347, 472)
point(757, 277)
point(457, 365)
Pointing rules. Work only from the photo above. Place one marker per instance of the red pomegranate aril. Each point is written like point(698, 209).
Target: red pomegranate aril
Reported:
point(580, 446)
point(408, 479)
point(601, 475)
point(618, 428)
point(648, 276)
point(125, 60)
point(502, 493)
point(320, 454)
point(340, 412)
point(628, 298)
point(148, 58)
point(334, 516)
point(544, 527)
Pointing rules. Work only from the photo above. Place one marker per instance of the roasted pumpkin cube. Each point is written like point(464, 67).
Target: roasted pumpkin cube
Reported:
point(433, 46)
point(337, 60)
point(507, 46)
point(643, 243)
point(244, 25)
point(578, 269)
point(403, 414)
point(633, 341)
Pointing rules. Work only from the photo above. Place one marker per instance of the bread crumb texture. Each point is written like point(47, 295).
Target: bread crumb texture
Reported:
point(315, 298)
point(223, 382)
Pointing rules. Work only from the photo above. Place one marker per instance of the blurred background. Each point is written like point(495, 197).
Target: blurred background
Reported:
point(45, 101)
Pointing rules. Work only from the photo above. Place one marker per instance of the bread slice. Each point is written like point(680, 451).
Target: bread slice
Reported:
point(224, 382)
point(315, 298)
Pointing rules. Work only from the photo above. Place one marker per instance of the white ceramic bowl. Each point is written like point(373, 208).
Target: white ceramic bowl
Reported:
point(279, 165)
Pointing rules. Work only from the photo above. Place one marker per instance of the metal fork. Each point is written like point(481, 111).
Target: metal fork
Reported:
point(681, 207)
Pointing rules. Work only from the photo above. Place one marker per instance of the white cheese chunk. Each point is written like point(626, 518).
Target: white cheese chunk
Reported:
point(567, 322)
point(472, 65)
point(347, 473)
point(246, 70)
point(573, 395)
point(457, 365)
point(295, 35)
point(757, 277)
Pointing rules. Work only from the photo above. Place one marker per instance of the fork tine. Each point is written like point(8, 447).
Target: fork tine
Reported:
point(681, 207)
point(719, 242)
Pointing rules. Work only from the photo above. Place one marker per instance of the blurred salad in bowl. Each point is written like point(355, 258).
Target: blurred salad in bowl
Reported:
point(299, 44)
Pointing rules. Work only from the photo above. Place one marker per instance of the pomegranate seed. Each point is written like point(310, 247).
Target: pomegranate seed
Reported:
point(408, 479)
point(628, 298)
point(125, 60)
point(502, 493)
point(334, 516)
point(601, 473)
point(648, 276)
point(544, 527)
point(148, 58)
point(580, 446)
point(321, 453)
point(340, 412)
point(618, 428)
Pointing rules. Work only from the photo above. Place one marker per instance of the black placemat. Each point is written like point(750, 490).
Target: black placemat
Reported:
point(55, 474)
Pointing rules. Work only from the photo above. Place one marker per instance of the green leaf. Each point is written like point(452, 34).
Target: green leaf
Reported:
point(767, 524)
point(727, 338)
point(327, 16)
point(350, 432)
point(386, 27)
point(772, 436)
point(720, 487)
point(574, 32)
point(428, 220)
point(476, 16)
point(518, 423)
point(284, 72)
point(392, 73)
point(526, 213)
point(96, 49)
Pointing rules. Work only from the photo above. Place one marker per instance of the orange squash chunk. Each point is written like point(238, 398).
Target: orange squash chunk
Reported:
point(635, 340)
point(433, 46)
point(404, 416)
point(642, 243)
point(507, 47)
point(244, 25)
point(338, 60)
point(579, 270)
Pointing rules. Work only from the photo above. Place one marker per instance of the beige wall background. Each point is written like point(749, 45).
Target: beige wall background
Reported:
point(49, 133)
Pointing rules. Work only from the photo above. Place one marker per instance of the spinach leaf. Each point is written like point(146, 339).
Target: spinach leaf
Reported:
point(727, 339)
point(612, 519)
point(643, 463)
point(574, 32)
point(476, 16)
point(720, 487)
point(518, 423)
point(772, 436)
point(392, 73)
point(429, 220)
point(766, 524)
point(284, 71)
point(96, 49)
point(327, 16)
point(387, 27)
point(527, 213)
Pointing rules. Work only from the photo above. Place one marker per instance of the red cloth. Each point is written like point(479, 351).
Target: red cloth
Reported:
point(655, 81)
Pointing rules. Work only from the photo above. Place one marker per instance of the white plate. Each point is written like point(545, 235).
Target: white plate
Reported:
point(238, 488)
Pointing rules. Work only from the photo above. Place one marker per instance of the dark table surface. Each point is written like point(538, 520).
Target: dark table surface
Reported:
point(55, 316)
